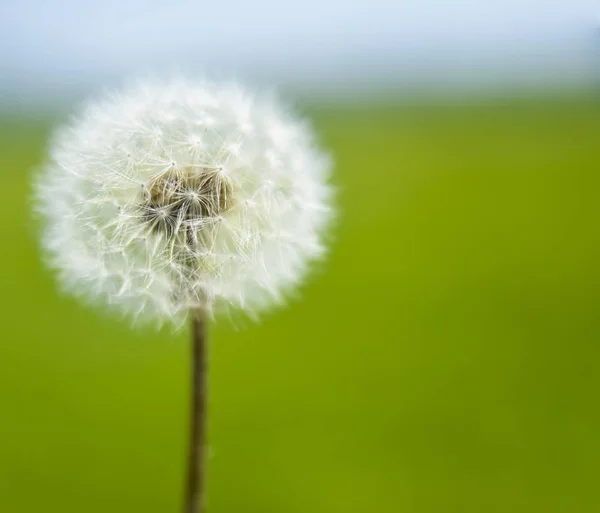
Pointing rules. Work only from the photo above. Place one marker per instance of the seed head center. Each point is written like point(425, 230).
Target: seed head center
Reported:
point(186, 201)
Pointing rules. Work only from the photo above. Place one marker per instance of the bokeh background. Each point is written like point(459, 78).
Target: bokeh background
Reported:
point(443, 360)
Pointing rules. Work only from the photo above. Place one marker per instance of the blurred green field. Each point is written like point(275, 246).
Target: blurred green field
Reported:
point(444, 360)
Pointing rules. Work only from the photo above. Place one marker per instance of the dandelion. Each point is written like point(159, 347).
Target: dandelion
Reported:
point(176, 201)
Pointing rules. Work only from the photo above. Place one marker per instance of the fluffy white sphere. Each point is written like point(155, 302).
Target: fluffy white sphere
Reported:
point(171, 197)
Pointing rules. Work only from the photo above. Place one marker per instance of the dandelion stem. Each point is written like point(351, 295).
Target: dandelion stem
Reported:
point(194, 499)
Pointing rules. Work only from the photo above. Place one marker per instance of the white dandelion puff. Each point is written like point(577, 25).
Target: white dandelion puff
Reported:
point(172, 197)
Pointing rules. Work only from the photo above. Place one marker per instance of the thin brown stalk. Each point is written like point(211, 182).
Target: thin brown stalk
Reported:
point(195, 490)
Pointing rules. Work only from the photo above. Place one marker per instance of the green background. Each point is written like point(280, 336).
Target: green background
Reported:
point(444, 359)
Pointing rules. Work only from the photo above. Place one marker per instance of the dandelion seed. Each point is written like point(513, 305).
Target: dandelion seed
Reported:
point(163, 172)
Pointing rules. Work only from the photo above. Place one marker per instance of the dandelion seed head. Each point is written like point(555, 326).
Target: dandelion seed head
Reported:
point(182, 195)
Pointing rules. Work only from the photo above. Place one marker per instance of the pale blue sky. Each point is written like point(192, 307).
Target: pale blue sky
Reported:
point(50, 45)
